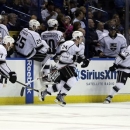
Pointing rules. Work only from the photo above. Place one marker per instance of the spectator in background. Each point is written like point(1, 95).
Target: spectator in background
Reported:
point(79, 17)
point(119, 4)
point(35, 7)
point(72, 8)
point(100, 29)
point(49, 12)
point(120, 28)
point(68, 28)
point(61, 19)
point(77, 27)
point(92, 40)
point(12, 23)
point(111, 44)
point(5, 19)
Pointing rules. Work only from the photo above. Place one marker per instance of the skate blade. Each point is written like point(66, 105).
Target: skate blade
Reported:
point(106, 102)
point(59, 103)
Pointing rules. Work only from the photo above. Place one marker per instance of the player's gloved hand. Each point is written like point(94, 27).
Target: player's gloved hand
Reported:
point(113, 68)
point(85, 63)
point(77, 59)
point(56, 58)
point(12, 77)
point(51, 51)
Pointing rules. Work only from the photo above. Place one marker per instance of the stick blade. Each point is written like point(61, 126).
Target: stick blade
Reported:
point(22, 91)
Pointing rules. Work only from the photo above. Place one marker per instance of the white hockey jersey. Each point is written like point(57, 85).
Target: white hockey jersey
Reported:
point(4, 31)
point(123, 60)
point(68, 50)
point(29, 42)
point(53, 38)
point(111, 47)
point(3, 66)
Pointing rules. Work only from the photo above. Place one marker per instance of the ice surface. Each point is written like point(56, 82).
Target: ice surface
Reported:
point(89, 116)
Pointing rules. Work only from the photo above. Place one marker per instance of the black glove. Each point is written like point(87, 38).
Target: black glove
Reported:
point(56, 58)
point(85, 63)
point(12, 77)
point(77, 59)
point(51, 51)
point(113, 68)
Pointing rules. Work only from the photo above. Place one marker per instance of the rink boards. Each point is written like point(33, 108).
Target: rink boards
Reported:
point(93, 84)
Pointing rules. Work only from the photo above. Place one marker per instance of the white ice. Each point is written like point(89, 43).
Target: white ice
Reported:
point(89, 116)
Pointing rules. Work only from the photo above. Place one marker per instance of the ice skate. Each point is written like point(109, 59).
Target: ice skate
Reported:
point(108, 99)
point(60, 100)
point(42, 94)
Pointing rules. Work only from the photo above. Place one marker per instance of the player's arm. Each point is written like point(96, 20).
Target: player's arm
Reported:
point(120, 58)
point(5, 70)
point(39, 44)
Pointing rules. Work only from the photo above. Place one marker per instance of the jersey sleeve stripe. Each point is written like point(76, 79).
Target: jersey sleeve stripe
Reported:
point(38, 48)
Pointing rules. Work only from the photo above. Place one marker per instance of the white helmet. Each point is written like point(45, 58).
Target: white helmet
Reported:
point(52, 23)
point(8, 39)
point(33, 23)
point(77, 34)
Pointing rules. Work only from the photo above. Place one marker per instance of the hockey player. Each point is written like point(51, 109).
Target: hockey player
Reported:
point(71, 51)
point(29, 43)
point(3, 29)
point(111, 44)
point(54, 39)
point(4, 69)
point(122, 64)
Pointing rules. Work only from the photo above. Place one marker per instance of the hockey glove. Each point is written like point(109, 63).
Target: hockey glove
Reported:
point(56, 58)
point(77, 59)
point(85, 63)
point(113, 68)
point(12, 77)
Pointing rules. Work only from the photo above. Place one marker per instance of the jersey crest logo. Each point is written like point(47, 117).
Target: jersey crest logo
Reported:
point(113, 46)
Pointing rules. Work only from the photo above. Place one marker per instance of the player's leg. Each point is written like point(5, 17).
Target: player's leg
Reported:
point(120, 83)
point(50, 89)
point(1, 81)
point(65, 89)
point(69, 76)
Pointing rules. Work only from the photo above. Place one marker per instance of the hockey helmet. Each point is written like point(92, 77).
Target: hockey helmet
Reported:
point(33, 23)
point(52, 23)
point(77, 34)
point(8, 39)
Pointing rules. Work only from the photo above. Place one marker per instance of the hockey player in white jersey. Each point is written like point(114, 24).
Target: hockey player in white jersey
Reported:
point(111, 44)
point(54, 39)
point(3, 29)
point(122, 64)
point(29, 43)
point(4, 69)
point(71, 52)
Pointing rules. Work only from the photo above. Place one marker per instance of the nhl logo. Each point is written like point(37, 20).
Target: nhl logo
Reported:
point(113, 46)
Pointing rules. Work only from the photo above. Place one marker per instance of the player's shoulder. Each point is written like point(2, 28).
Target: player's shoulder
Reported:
point(44, 32)
point(3, 27)
point(120, 35)
point(2, 49)
point(69, 43)
point(33, 33)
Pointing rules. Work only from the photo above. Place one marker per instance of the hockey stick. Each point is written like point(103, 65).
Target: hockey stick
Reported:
point(21, 83)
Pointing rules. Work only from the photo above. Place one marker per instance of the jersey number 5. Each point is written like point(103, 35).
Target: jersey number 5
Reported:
point(21, 42)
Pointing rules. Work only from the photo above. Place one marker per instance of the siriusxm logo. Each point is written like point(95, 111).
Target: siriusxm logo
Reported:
point(87, 74)
point(29, 74)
